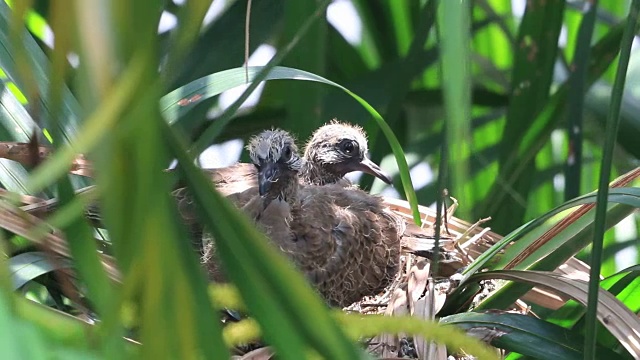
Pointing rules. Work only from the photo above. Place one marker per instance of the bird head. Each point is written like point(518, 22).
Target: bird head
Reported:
point(275, 155)
point(342, 148)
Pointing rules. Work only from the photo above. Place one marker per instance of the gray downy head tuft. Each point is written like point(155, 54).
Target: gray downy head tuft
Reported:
point(275, 155)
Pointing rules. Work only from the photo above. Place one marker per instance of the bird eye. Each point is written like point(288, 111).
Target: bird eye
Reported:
point(349, 147)
point(287, 153)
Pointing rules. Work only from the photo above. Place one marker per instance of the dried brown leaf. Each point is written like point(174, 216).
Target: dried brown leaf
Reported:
point(18, 222)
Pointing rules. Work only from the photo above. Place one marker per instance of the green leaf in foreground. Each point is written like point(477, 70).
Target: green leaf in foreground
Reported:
point(613, 122)
point(453, 338)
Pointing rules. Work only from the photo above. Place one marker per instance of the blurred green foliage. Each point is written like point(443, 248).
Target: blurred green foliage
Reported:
point(481, 94)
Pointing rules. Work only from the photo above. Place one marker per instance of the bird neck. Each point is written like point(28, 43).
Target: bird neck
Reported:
point(285, 190)
point(319, 174)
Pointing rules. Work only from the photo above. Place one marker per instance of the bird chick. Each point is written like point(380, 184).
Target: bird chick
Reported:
point(275, 156)
point(335, 150)
point(344, 240)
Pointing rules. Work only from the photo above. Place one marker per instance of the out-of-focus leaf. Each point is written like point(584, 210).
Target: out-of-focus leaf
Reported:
point(189, 23)
point(398, 79)
point(577, 80)
point(539, 129)
point(372, 325)
point(15, 334)
point(64, 329)
point(205, 58)
point(71, 110)
point(455, 63)
point(597, 102)
point(97, 126)
point(343, 61)
point(531, 80)
point(378, 44)
point(79, 235)
point(303, 102)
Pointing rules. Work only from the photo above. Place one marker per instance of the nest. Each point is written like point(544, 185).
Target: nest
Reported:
point(421, 292)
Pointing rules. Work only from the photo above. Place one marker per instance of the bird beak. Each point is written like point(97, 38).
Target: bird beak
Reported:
point(268, 174)
point(368, 166)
